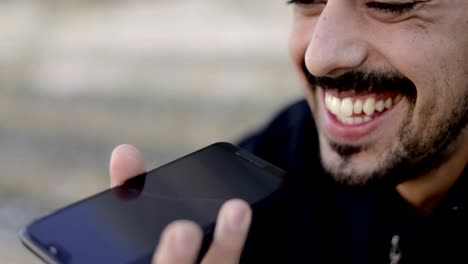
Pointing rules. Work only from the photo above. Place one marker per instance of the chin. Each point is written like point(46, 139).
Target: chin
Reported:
point(358, 166)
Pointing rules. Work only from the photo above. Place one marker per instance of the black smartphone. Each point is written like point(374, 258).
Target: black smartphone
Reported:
point(123, 224)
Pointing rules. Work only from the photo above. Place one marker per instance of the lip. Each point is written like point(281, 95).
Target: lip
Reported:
point(353, 133)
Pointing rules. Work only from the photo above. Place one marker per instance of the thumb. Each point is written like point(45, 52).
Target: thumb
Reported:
point(125, 162)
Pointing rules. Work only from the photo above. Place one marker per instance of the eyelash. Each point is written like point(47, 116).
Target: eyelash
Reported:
point(394, 8)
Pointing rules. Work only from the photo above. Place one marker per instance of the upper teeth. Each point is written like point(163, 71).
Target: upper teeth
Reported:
point(369, 106)
point(344, 108)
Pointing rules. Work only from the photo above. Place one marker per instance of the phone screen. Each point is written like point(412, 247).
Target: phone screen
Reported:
point(123, 224)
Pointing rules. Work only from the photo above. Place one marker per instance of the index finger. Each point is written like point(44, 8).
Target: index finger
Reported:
point(125, 162)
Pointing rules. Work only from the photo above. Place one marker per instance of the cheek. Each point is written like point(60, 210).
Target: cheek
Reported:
point(297, 48)
point(407, 47)
point(429, 56)
point(435, 70)
point(418, 56)
point(301, 34)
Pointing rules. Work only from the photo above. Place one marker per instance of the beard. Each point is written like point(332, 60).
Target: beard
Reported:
point(414, 151)
point(409, 157)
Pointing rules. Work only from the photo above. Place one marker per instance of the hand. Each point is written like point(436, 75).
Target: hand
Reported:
point(181, 240)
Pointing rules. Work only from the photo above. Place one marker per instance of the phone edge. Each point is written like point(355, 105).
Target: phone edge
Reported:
point(27, 241)
point(40, 252)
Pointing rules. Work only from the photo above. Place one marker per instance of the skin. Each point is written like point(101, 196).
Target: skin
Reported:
point(428, 45)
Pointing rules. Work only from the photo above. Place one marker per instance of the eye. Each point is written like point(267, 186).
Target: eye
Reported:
point(392, 8)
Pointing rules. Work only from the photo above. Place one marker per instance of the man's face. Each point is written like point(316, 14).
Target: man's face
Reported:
point(387, 82)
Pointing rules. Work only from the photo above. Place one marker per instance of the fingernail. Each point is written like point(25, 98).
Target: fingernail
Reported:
point(237, 218)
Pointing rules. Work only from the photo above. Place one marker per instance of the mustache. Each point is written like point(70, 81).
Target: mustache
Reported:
point(364, 81)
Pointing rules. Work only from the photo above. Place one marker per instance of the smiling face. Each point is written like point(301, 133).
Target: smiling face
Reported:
point(387, 82)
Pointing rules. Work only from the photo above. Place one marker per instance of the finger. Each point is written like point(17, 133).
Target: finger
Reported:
point(231, 231)
point(126, 161)
point(179, 243)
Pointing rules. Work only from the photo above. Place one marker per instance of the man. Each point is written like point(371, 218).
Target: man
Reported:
point(381, 163)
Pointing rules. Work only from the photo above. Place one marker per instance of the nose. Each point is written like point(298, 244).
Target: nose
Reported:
point(335, 46)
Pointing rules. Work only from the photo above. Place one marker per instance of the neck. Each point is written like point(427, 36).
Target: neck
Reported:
point(425, 192)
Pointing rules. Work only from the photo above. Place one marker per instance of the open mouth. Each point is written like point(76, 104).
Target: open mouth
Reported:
point(361, 105)
point(351, 116)
point(354, 110)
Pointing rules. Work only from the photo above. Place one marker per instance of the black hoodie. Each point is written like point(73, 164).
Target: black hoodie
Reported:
point(320, 221)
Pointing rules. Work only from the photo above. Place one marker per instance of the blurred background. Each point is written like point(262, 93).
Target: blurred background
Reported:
point(79, 77)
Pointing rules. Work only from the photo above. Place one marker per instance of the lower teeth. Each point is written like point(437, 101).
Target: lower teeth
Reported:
point(354, 120)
